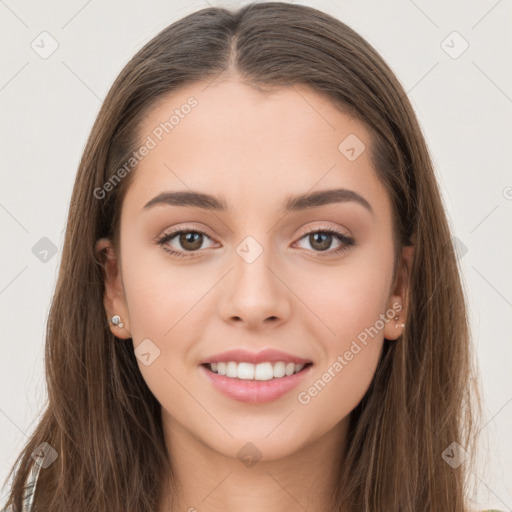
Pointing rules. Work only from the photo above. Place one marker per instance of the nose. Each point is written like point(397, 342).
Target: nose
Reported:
point(255, 294)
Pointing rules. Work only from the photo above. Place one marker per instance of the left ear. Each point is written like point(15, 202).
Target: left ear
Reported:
point(398, 300)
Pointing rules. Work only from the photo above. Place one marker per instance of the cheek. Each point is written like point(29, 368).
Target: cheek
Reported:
point(161, 295)
point(348, 299)
point(350, 302)
point(170, 305)
point(350, 338)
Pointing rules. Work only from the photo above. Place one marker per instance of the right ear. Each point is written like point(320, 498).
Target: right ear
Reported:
point(114, 298)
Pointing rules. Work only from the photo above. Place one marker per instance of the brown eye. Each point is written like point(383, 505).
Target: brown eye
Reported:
point(320, 241)
point(191, 240)
point(183, 243)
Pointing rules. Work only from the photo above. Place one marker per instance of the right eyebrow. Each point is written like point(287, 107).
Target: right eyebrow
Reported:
point(188, 198)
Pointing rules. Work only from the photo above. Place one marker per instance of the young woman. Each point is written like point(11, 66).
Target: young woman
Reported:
point(259, 305)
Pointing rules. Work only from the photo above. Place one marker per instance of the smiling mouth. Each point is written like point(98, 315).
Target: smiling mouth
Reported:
point(256, 372)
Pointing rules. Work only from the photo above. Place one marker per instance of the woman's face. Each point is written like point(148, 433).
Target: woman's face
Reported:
point(254, 269)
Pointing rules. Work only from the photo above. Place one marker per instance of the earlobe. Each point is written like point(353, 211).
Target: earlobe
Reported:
point(114, 299)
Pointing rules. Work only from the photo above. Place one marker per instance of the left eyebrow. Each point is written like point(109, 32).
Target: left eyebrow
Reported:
point(323, 197)
point(310, 200)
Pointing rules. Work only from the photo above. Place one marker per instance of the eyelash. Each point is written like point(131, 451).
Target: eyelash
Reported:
point(347, 242)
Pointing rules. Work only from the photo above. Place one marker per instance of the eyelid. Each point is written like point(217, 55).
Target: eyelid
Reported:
point(167, 235)
point(181, 228)
point(346, 240)
point(203, 231)
point(328, 228)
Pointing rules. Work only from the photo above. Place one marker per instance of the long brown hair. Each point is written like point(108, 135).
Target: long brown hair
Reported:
point(101, 417)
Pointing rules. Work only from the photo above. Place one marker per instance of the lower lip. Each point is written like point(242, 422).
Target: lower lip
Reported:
point(255, 391)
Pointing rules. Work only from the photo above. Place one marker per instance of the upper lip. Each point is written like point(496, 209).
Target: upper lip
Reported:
point(244, 356)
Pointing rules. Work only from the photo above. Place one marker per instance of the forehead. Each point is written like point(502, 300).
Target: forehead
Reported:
point(252, 146)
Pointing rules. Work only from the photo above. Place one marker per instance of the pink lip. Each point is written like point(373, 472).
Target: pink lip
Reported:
point(268, 355)
point(254, 391)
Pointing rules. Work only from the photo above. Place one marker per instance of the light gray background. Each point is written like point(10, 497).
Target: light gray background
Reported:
point(464, 105)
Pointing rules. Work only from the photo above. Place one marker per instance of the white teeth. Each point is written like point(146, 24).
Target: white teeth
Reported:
point(279, 369)
point(231, 369)
point(245, 371)
point(298, 367)
point(263, 371)
point(260, 371)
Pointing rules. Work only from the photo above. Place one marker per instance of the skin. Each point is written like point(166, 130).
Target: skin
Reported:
point(255, 149)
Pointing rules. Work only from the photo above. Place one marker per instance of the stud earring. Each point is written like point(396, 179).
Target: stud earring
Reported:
point(116, 320)
point(398, 325)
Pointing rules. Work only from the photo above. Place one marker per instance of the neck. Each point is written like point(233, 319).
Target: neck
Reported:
point(210, 481)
